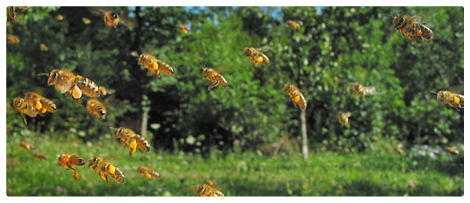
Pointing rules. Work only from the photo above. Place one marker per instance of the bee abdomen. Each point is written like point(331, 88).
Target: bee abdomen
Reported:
point(87, 86)
point(24, 107)
point(48, 104)
point(165, 68)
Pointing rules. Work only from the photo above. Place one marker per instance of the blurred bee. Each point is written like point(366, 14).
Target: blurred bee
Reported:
point(39, 156)
point(155, 65)
point(69, 160)
point(9, 24)
point(23, 7)
point(399, 149)
point(40, 103)
point(59, 17)
point(96, 108)
point(214, 77)
point(112, 18)
point(71, 119)
point(13, 39)
point(104, 91)
point(67, 82)
point(147, 172)
point(183, 29)
point(24, 108)
point(412, 28)
point(86, 21)
point(129, 137)
point(296, 96)
point(293, 24)
point(211, 183)
point(8, 190)
point(43, 47)
point(12, 12)
point(104, 169)
point(83, 192)
point(26, 146)
point(451, 150)
point(453, 99)
point(207, 191)
point(344, 117)
point(360, 89)
point(256, 55)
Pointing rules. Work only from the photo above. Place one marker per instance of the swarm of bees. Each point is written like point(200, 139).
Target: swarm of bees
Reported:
point(130, 138)
point(103, 168)
point(216, 78)
point(256, 55)
point(412, 28)
point(155, 65)
point(147, 172)
point(296, 96)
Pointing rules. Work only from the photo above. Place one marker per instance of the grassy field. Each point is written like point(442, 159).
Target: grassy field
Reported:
point(378, 172)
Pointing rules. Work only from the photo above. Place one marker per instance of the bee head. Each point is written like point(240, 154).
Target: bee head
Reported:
point(287, 87)
point(247, 51)
point(53, 77)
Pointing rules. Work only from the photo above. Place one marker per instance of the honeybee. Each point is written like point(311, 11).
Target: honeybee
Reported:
point(216, 78)
point(67, 82)
point(155, 65)
point(86, 21)
point(293, 24)
point(183, 29)
point(12, 12)
point(112, 18)
point(24, 108)
point(26, 146)
point(23, 7)
point(59, 17)
point(451, 150)
point(296, 96)
point(399, 149)
point(344, 117)
point(104, 169)
point(412, 28)
point(13, 39)
point(211, 183)
point(96, 108)
point(40, 156)
point(43, 47)
point(40, 103)
point(256, 55)
point(453, 99)
point(104, 91)
point(147, 172)
point(360, 89)
point(129, 137)
point(208, 191)
point(69, 160)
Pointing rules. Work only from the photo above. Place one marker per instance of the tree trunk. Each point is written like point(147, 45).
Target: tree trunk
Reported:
point(303, 131)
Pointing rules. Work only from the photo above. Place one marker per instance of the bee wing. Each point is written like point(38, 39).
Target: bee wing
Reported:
point(99, 10)
point(222, 82)
point(303, 102)
point(264, 48)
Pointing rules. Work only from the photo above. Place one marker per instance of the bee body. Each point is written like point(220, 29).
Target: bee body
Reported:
point(104, 169)
point(68, 161)
point(24, 108)
point(216, 78)
point(296, 96)
point(40, 103)
point(155, 65)
point(293, 24)
point(361, 90)
point(96, 108)
point(183, 29)
point(343, 117)
point(208, 191)
point(412, 28)
point(147, 172)
point(129, 137)
point(39, 156)
point(26, 146)
point(451, 150)
point(453, 99)
point(256, 55)
point(111, 19)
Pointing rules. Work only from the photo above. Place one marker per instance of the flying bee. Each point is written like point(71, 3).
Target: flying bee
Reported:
point(43, 47)
point(296, 96)
point(13, 39)
point(344, 117)
point(216, 78)
point(256, 55)
point(104, 91)
point(40, 103)
point(208, 191)
point(86, 21)
point(67, 82)
point(104, 169)
point(68, 161)
point(412, 28)
point(360, 89)
point(112, 18)
point(96, 108)
point(183, 29)
point(451, 150)
point(26, 146)
point(24, 108)
point(399, 149)
point(59, 17)
point(155, 65)
point(12, 12)
point(293, 24)
point(147, 172)
point(453, 99)
point(40, 156)
point(129, 137)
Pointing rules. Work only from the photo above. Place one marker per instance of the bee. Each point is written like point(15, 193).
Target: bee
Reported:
point(68, 161)
point(344, 117)
point(24, 108)
point(12, 12)
point(216, 78)
point(147, 172)
point(412, 28)
point(451, 150)
point(296, 96)
point(183, 29)
point(67, 82)
point(293, 24)
point(360, 89)
point(399, 149)
point(211, 183)
point(256, 55)
point(40, 156)
point(104, 91)
point(129, 137)
point(453, 99)
point(26, 146)
point(112, 18)
point(59, 17)
point(96, 108)
point(155, 65)
point(104, 169)
point(208, 191)
point(43, 47)
point(86, 21)
point(23, 7)
point(40, 103)
point(13, 39)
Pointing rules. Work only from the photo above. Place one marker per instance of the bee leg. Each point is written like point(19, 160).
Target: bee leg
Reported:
point(150, 72)
point(24, 119)
point(213, 85)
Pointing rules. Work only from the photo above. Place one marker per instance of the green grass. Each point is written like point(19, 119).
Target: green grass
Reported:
point(377, 172)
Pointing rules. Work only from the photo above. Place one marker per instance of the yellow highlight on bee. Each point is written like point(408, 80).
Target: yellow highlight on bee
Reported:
point(111, 169)
point(38, 105)
point(103, 177)
point(259, 59)
point(43, 110)
point(133, 144)
point(297, 99)
point(154, 65)
point(419, 33)
point(457, 100)
point(148, 176)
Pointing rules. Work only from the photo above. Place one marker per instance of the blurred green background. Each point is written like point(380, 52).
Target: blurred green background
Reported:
point(251, 127)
